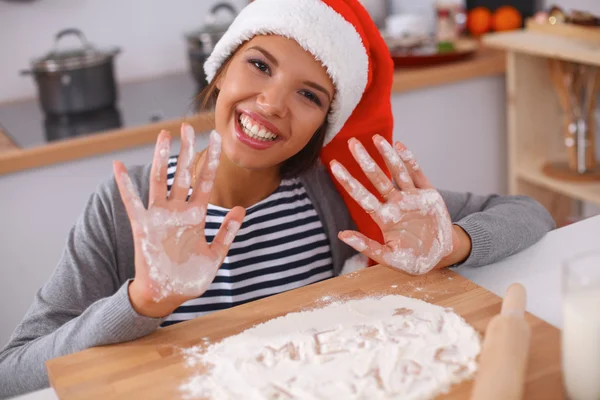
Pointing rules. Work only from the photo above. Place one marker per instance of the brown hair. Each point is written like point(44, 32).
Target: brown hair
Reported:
point(300, 162)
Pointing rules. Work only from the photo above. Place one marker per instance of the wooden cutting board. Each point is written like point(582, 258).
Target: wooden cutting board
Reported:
point(153, 368)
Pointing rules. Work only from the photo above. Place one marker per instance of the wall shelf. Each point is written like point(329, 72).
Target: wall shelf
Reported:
point(535, 118)
point(531, 171)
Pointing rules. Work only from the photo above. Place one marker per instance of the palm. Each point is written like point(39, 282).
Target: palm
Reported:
point(414, 221)
point(172, 256)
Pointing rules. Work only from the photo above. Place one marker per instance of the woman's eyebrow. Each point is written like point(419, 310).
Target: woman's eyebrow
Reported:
point(268, 55)
point(273, 60)
point(319, 88)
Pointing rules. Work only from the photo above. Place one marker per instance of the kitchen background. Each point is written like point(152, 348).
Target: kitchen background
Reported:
point(149, 32)
point(458, 131)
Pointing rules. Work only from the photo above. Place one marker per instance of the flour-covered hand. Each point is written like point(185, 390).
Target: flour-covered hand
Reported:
point(414, 220)
point(173, 261)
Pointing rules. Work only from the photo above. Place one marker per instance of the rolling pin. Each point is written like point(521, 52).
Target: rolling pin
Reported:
point(503, 359)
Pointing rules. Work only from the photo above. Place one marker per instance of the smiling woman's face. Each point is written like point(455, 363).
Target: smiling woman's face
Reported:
point(272, 99)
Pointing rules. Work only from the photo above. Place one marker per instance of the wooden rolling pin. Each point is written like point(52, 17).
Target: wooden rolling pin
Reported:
point(503, 360)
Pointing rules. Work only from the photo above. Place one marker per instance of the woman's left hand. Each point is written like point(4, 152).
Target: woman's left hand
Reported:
point(417, 229)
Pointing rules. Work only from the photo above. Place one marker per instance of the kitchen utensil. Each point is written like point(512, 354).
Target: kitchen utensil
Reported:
point(201, 42)
point(581, 326)
point(503, 359)
point(76, 80)
point(576, 86)
point(154, 367)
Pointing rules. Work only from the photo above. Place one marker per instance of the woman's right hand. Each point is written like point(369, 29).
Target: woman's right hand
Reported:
point(173, 261)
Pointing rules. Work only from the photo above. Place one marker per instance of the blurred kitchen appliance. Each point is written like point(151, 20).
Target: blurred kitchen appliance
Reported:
point(76, 80)
point(201, 42)
point(378, 10)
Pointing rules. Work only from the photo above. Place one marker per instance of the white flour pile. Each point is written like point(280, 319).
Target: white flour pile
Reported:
point(393, 347)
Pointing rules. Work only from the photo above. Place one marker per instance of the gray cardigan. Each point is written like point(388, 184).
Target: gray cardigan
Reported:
point(85, 303)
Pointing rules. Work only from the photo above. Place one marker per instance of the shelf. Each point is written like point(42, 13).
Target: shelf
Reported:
point(546, 45)
point(530, 170)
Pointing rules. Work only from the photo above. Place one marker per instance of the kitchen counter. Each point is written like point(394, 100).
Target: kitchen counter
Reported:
point(537, 268)
point(487, 62)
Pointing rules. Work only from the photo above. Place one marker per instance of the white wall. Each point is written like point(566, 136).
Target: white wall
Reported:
point(150, 33)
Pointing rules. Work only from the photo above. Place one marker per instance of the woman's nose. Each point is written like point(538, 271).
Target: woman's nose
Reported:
point(272, 101)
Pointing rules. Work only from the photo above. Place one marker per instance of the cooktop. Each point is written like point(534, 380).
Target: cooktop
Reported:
point(139, 103)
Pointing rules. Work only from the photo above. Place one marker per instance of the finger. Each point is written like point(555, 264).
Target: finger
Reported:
point(359, 242)
point(133, 205)
point(381, 182)
point(208, 171)
point(358, 192)
point(413, 167)
point(183, 174)
point(227, 232)
point(158, 174)
point(394, 163)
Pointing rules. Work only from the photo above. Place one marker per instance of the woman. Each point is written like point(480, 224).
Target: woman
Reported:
point(256, 213)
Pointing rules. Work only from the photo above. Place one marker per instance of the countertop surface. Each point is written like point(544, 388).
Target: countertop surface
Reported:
point(537, 268)
point(146, 107)
point(153, 367)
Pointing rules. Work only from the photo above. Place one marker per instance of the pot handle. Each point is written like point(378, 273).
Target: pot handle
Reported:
point(71, 31)
point(212, 15)
point(24, 72)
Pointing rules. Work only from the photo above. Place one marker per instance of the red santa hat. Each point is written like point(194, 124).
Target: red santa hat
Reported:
point(344, 38)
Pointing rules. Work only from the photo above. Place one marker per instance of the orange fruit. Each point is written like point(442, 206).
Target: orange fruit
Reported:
point(479, 21)
point(506, 18)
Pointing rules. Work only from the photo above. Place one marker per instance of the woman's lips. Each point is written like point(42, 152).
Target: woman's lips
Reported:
point(251, 142)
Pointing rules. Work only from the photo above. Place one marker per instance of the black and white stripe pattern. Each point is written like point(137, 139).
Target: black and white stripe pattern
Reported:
point(281, 246)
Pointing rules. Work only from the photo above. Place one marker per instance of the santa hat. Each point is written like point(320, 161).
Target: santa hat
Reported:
point(344, 38)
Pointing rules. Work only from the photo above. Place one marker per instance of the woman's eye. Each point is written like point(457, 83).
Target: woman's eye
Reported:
point(261, 66)
point(312, 97)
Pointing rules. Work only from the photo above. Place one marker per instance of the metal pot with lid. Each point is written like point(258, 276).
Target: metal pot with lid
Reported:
point(75, 80)
point(201, 42)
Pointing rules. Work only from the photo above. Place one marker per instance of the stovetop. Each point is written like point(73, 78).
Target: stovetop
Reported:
point(139, 103)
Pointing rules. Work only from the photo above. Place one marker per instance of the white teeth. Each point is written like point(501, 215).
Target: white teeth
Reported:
point(255, 130)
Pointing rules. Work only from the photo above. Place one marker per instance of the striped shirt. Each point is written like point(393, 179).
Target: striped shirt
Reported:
point(280, 246)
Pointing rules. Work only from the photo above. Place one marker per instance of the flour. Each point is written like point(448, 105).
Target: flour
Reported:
point(364, 159)
point(169, 239)
point(162, 152)
point(214, 154)
point(434, 243)
point(429, 203)
point(393, 347)
point(232, 229)
point(381, 182)
point(409, 158)
point(186, 158)
point(357, 191)
point(388, 152)
point(357, 243)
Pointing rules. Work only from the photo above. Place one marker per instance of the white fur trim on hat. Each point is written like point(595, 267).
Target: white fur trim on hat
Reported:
point(320, 30)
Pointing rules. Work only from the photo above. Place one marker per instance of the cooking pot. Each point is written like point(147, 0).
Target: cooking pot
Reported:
point(76, 80)
point(201, 42)
point(378, 10)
